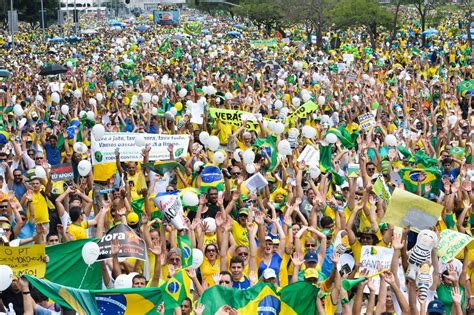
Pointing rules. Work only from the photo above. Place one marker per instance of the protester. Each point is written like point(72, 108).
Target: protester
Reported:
point(212, 167)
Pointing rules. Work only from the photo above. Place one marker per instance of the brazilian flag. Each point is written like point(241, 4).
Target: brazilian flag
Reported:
point(211, 176)
point(175, 290)
point(186, 247)
point(465, 88)
point(162, 167)
point(348, 140)
point(431, 176)
point(165, 46)
point(325, 164)
point(192, 28)
point(263, 298)
point(268, 145)
point(101, 302)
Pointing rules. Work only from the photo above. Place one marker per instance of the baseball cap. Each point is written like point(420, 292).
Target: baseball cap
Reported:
point(311, 273)
point(244, 211)
point(268, 238)
point(276, 241)
point(436, 307)
point(268, 274)
point(311, 257)
point(132, 218)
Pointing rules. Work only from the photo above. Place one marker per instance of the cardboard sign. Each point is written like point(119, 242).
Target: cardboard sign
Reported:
point(407, 209)
point(309, 155)
point(381, 189)
point(24, 260)
point(131, 246)
point(103, 151)
point(366, 121)
point(256, 182)
point(373, 257)
point(62, 172)
point(451, 243)
point(304, 110)
point(353, 170)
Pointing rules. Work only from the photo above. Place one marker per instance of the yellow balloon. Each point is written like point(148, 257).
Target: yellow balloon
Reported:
point(150, 17)
point(126, 101)
point(178, 106)
point(287, 97)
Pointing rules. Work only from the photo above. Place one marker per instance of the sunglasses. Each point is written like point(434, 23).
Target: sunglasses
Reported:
point(310, 245)
point(3, 206)
point(224, 282)
point(243, 254)
point(39, 158)
point(371, 169)
point(236, 173)
point(211, 250)
point(175, 259)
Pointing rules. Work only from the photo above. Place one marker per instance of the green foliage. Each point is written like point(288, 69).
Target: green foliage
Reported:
point(261, 11)
point(348, 13)
point(29, 10)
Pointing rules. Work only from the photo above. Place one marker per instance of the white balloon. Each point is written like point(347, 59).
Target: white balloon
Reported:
point(80, 147)
point(18, 110)
point(237, 156)
point(219, 157)
point(452, 119)
point(306, 96)
point(278, 104)
point(356, 98)
point(82, 114)
point(173, 111)
point(90, 115)
point(391, 141)
point(331, 138)
point(211, 225)
point(123, 281)
point(22, 123)
point(365, 77)
point(92, 102)
point(39, 98)
point(213, 143)
point(308, 132)
point(155, 99)
point(77, 93)
point(169, 115)
point(372, 81)
point(40, 172)
point(321, 100)
point(190, 199)
point(65, 109)
point(248, 156)
point(55, 97)
point(228, 96)
point(140, 141)
point(296, 101)
point(314, 172)
point(99, 97)
point(146, 97)
point(154, 111)
point(204, 137)
point(98, 131)
point(6, 277)
point(198, 257)
point(84, 167)
point(69, 64)
point(280, 82)
point(284, 147)
point(182, 93)
point(279, 128)
point(90, 252)
point(197, 165)
point(250, 168)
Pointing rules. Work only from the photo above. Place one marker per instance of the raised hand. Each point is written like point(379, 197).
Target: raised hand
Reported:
point(397, 242)
point(297, 259)
point(199, 309)
point(114, 247)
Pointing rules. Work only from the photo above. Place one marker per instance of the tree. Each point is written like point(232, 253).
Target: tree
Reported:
point(423, 7)
point(366, 13)
point(266, 13)
point(29, 10)
point(398, 4)
point(467, 7)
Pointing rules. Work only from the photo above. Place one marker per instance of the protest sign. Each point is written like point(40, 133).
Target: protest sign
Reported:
point(256, 182)
point(353, 170)
point(407, 209)
point(451, 243)
point(233, 117)
point(131, 246)
point(381, 189)
point(103, 151)
point(24, 260)
point(303, 111)
point(366, 121)
point(62, 172)
point(309, 155)
point(348, 58)
point(261, 43)
point(170, 204)
point(373, 258)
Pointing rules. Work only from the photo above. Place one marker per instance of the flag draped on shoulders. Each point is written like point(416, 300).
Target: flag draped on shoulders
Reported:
point(269, 146)
point(348, 139)
point(263, 298)
point(101, 302)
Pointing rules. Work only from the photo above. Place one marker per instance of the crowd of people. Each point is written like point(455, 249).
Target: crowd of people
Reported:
point(310, 219)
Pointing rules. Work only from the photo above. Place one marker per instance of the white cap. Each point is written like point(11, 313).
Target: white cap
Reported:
point(268, 274)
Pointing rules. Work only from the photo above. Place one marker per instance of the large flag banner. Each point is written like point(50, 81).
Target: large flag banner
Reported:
point(430, 177)
point(407, 209)
point(192, 28)
point(451, 243)
point(103, 150)
point(348, 139)
point(101, 302)
point(262, 298)
point(131, 246)
point(162, 167)
point(175, 290)
point(65, 257)
point(24, 260)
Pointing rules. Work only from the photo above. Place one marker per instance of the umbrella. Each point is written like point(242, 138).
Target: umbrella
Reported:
point(430, 32)
point(56, 40)
point(74, 39)
point(205, 31)
point(53, 69)
point(239, 26)
point(142, 28)
point(4, 73)
point(466, 88)
point(89, 31)
point(233, 33)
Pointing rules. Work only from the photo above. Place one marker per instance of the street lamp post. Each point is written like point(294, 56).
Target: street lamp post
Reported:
point(11, 27)
point(42, 16)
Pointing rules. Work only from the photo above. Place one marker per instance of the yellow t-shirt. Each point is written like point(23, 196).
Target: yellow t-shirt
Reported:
point(225, 130)
point(240, 234)
point(139, 181)
point(40, 207)
point(78, 232)
point(210, 239)
point(102, 172)
point(208, 270)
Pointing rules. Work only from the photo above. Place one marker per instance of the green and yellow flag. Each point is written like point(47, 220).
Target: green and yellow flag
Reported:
point(184, 243)
point(430, 177)
point(161, 167)
point(269, 146)
point(101, 302)
point(348, 140)
point(175, 290)
point(192, 28)
point(165, 45)
point(263, 298)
